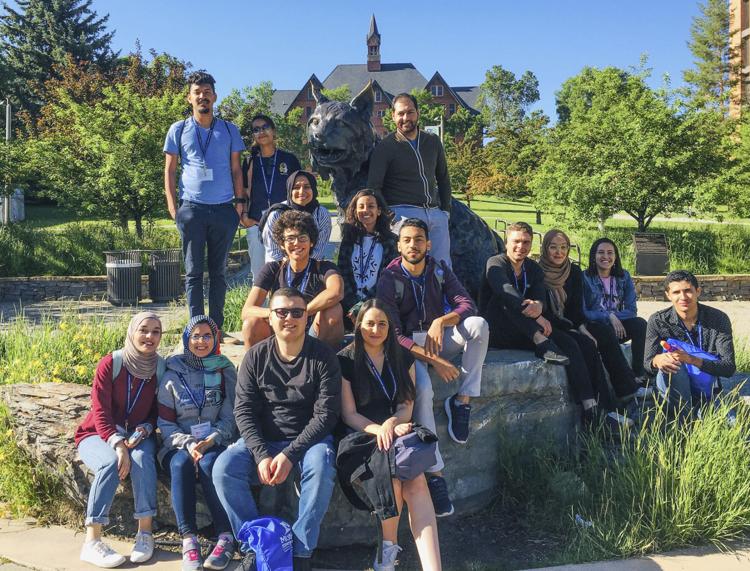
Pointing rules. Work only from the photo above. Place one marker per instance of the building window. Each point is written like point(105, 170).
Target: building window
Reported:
point(436, 90)
point(380, 113)
point(451, 109)
point(378, 96)
point(310, 94)
point(308, 112)
point(373, 50)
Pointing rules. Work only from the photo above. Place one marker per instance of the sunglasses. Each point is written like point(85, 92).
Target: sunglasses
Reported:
point(283, 313)
point(261, 128)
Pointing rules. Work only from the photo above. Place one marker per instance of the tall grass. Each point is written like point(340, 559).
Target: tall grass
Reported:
point(235, 299)
point(668, 485)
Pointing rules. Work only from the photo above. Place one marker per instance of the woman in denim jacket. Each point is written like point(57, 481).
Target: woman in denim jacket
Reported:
point(609, 297)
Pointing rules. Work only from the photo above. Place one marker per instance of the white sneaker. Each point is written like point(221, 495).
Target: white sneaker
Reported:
point(100, 554)
point(390, 555)
point(620, 419)
point(644, 393)
point(143, 548)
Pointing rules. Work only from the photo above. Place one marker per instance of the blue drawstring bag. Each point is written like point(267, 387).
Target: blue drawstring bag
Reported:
point(700, 381)
point(271, 539)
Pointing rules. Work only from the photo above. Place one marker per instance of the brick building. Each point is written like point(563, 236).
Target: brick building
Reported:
point(389, 79)
point(740, 38)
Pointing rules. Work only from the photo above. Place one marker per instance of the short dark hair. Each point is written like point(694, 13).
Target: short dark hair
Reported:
point(680, 276)
point(404, 95)
point(415, 223)
point(298, 220)
point(201, 77)
point(265, 118)
point(519, 227)
point(287, 292)
point(616, 270)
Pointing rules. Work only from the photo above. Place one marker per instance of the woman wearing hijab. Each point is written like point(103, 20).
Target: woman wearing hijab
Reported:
point(115, 439)
point(301, 195)
point(564, 281)
point(196, 420)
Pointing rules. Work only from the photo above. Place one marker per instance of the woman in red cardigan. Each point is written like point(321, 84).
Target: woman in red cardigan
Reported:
point(115, 439)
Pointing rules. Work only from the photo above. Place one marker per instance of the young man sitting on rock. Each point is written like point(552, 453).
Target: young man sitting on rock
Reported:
point(288, 401)
point(435, 318)
point(688, 346)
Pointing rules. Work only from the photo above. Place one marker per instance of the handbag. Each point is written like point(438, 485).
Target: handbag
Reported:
point(414, 453)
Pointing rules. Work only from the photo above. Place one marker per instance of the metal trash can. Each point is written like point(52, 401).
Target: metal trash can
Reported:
point(123, 277)
point(164, 275)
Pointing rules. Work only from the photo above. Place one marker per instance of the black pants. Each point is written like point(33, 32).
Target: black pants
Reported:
point(635, 327)
point(585, 375)
point(621, 375)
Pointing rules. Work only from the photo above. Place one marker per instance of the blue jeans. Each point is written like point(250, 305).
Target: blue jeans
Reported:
point(201, 227)
point(678, 393)
point(101, 459)
point(182, 475)
point(437, 225)
point(235, 471)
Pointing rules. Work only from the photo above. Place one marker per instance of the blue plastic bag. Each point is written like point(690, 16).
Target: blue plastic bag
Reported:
point(272, 541)
point(700, 381)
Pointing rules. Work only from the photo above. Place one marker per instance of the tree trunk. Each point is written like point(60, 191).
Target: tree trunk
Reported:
point(123, 222)
point(600, 223)
point(538, 216)
point(139, 226)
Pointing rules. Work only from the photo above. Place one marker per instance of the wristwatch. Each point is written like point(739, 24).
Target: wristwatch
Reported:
point(236, 200)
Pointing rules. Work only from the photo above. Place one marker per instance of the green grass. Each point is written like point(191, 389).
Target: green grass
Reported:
point(235, 299)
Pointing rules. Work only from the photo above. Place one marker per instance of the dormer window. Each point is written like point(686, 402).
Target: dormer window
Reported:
point(436, 90)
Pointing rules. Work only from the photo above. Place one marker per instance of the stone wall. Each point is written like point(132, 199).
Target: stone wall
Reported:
point(715, 287)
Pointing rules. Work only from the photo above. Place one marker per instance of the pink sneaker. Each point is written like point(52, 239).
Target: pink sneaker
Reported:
point(191, 554)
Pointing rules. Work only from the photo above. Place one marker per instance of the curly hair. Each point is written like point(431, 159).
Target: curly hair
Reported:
point(297, 220)
point(353, 229)
point(201, 77)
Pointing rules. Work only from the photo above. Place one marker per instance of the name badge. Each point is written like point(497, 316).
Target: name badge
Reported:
point(419, 337)
point(198, 174)
point(201, 430)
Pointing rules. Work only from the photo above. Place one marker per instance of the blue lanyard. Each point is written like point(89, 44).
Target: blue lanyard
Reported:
point(305, 277)
point(418, 300)
point(609, 300)
point(128, 405)
point(269, 188)
point(192, 396)
point(204, 149)
point(690, 336)
point(364, 263)
point(525, 282)
point(379, 377)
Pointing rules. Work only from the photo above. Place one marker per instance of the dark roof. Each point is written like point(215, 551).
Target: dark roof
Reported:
point(373, 28)
point(282, 99)
point(469, 95)
point(394, 78)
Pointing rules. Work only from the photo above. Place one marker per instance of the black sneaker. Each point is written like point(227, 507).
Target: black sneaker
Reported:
point(458, 419)
point(551, 353)
point(248, 561)
point(301, 563)
point(440, 498)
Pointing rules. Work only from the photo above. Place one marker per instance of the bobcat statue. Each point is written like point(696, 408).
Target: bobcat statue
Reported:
point(341, 139)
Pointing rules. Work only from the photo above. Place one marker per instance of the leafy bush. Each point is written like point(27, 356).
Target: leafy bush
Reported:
point(72, 250)
point(235, 299)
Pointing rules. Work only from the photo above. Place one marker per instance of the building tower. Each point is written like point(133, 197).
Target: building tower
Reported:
point(373, 46)
point(740, 39)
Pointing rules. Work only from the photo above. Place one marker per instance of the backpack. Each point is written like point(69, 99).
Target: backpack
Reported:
point(161, 366)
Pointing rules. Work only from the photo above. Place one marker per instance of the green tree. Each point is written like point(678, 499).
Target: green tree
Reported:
point(504, 100)
point(711, 80)
point(341, 93)
point(42, 33)
point(620, 146)
point(104, 156)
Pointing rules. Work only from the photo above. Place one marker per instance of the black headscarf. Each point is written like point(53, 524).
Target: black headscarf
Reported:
point(311, 206)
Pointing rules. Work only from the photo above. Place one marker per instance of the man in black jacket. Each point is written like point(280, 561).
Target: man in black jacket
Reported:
point(409, 168)
point(288, 402)
point(683, 378)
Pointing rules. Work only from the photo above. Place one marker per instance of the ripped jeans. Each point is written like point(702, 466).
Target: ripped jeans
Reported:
point(235, 471)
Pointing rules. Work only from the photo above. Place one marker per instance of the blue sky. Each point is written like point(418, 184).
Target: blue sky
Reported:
point(243, 43)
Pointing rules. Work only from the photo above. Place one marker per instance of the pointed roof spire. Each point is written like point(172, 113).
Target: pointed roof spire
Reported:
point(373, 28)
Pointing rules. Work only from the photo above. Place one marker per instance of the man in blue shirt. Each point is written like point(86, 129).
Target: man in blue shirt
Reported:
point(211, 199)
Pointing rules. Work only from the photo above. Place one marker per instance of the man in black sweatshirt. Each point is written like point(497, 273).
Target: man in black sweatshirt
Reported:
point(287, 403)
point(409, 168)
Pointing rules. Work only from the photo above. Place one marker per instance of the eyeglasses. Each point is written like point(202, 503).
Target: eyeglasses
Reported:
point(301, 239)
point(261, 128)
point(199, 338)
point(283, 313)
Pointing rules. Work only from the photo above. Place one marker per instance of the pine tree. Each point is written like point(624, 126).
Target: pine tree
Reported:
point(41, 34)
point(711, 80)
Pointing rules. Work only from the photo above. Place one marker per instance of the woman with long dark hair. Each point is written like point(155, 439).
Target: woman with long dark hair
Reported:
point(378, 395)
point(367, 246)
point(610, 299)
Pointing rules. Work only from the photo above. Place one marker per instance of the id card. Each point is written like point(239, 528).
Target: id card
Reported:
point(419, 337)
point(201, 430)
point(198, 174)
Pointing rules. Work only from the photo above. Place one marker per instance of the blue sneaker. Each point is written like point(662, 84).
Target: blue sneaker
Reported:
point(441, 501)
point(458, 419)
